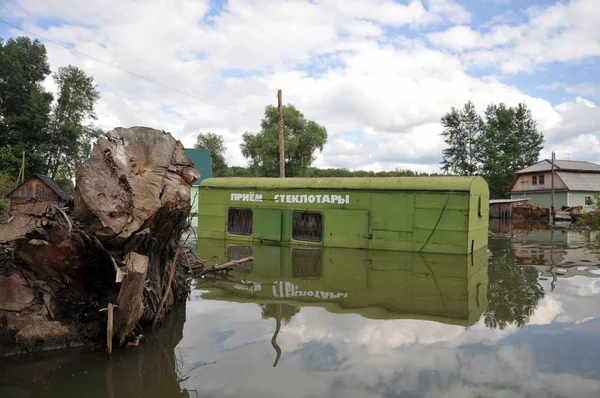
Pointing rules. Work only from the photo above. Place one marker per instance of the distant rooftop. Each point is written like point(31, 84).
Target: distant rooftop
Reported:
point(561, 165)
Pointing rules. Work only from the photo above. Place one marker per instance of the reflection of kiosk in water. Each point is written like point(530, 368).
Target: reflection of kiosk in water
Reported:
point(375, 284)
point(417, 214)
point(450, 289)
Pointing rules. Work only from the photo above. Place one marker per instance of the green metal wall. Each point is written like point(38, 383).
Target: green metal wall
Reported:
point(441, 220)
point(374, 284)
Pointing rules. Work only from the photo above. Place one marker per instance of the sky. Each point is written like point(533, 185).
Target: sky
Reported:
point(378, 74)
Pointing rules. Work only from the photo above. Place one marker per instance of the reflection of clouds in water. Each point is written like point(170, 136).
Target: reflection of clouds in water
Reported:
point(347, 355)
point(546, 312)
point(590, 288)
point(578, 297)
point(377, 337)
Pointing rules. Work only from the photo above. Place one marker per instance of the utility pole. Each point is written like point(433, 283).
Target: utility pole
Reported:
point(21, 176)
point(552, 189)
point(23, 168)
point(281, 149)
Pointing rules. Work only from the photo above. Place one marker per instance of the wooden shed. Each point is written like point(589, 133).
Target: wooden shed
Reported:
point(39, 187)
point(503, 208)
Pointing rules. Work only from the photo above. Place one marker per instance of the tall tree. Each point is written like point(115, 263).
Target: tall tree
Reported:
point(216, 144)
point(512, 142)
point(71, 129)
point(530, 139)
point(302, 138)
point(496, 146)
point(24, 104)
point(462, 133)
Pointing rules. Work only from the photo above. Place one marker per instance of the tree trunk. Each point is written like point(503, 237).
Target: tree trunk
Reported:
point(113, 243)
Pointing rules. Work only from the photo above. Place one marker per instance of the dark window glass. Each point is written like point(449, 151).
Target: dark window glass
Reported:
point(534, 180)
point(307, 263)
point(239, 222)
point(237, 253)
point(541, 180)
point(589, 201)
point(307, 226)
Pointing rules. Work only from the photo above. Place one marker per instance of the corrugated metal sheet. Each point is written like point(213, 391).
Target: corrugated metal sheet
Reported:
point(570, 165)
point(580, 181)
point(498, 201)
point(202, 162)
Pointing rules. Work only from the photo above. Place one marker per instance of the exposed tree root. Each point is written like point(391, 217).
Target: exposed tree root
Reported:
point(116, 241)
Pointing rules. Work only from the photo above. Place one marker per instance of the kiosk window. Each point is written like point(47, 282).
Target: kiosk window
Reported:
point(307, 263)
point(239, 222)
point(307, 226)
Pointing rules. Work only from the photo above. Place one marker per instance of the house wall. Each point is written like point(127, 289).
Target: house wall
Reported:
point(578, 199)
point(524, 182)
point(544, 199)
point(34, 188)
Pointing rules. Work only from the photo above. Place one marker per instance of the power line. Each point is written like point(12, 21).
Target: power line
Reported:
point(124, 70)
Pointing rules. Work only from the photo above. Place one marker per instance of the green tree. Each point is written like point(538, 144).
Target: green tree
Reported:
point(238, 171)
point(495, 146)
point(71, 131)
point(591, 220)
point(315, 172)
point(513, 291)
point(7, 184)
point(216, 144)
point(511, 143)
point(24, 104)
point(463, 131)
point(302, 138)
point(66, 184)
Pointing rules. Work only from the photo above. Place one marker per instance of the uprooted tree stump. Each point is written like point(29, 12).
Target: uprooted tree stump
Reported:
point(116, 241)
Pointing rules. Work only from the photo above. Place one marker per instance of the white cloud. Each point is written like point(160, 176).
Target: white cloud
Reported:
point(548, 36)
point(339, 65)
point(463, 37)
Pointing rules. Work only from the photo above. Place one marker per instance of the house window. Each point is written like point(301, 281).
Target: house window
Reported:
point(307, 226)
point(239, 222)
point(589, 200)
point(534, 180)
point(541, 180)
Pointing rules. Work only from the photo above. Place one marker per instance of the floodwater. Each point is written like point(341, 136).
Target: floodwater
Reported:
point(521, 319)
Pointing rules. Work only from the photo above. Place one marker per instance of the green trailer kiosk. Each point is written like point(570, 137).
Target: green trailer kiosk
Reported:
point(417, 214)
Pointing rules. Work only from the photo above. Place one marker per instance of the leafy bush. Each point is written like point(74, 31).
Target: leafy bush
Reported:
point(592, 218)
point(66, 184)
point(7, 184)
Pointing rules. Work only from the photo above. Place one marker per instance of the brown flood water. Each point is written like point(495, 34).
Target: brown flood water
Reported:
point(521, 319)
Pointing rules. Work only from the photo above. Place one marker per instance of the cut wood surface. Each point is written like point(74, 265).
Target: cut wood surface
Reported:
point(113, 242)
point(131, 174)
point(130, 306)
